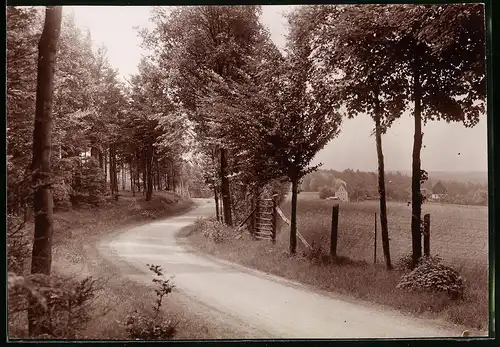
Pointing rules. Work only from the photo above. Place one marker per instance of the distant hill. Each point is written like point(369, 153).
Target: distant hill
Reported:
point(459, 176)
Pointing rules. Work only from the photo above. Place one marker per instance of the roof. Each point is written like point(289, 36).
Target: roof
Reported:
point(439, 188)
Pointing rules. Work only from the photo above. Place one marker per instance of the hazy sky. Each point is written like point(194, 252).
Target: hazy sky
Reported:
point(449, 147)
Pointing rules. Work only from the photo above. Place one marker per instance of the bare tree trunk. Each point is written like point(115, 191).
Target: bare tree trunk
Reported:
point(225, 192)
point(144, 174)
point(101, 159)
point(105, 167)
point(416, 203)
point(132, 188)
point(293, 219)
point(41, 260)
point(124, 177)
point(381, 186)
point(216, 197)
point(149, 168)
point(173, 175)
point(158, 180)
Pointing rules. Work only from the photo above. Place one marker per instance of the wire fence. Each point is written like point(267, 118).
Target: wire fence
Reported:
point(458, 234)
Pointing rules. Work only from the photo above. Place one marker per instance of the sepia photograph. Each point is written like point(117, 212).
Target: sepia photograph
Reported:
point(247, 172)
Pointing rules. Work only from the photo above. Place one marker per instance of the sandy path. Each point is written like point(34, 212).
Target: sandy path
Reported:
point(268, 305)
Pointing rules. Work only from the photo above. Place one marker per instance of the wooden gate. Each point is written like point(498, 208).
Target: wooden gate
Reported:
point(264, 219)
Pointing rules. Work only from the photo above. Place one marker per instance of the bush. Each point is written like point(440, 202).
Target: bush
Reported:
point(216, 231)
point(432, 276)
point(326, 192)
point(62, 305)
point(141, 326)
point(61, 193)
point(18, 244)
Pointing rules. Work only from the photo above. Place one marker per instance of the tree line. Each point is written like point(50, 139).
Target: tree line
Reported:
point(363, 185)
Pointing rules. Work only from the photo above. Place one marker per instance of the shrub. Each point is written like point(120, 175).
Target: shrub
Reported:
point(18, 244)
point(432, 276)
point(141, 326)
point(62, 305)
point(216, 231)
point(326, 192)
point(61, 193)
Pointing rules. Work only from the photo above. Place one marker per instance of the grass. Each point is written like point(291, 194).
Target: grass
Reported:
point(75, 254)
point(353, 279)
point(459, 234)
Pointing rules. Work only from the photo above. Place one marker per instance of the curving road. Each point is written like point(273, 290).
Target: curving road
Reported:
point(272, 306)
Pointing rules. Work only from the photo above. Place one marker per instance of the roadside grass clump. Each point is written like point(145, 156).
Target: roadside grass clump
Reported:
point(216, 231)
point(143, 326)
point(433, 276)
point(63, 306)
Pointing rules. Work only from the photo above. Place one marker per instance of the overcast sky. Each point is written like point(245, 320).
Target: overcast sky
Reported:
point(449, 147)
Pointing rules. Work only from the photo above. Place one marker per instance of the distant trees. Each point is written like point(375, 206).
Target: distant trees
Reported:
point(363, 185)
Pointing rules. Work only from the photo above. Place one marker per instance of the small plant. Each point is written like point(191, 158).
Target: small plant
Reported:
point(216, 231)
point(146, 327)
point(432, 276)
point(63, 306)
point(317, 255)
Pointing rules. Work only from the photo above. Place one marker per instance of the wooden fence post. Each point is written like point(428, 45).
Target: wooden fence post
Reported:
point(334, 231)
point(375, 242)
point(273, 218)
point(427, 234)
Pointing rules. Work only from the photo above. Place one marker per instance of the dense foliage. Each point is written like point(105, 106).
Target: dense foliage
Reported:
point(433, 276)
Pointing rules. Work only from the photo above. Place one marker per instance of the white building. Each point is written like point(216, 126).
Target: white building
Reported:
point(341, 193)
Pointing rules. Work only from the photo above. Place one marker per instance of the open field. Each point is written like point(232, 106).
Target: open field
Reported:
point(459, 234)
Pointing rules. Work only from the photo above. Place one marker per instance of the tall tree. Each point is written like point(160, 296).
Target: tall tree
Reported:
point(206, 49)
point(351, 41)
point(304, 119)
point(442, 48)
point(42, 198)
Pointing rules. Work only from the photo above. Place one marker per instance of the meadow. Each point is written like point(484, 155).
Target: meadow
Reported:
point(459, 234)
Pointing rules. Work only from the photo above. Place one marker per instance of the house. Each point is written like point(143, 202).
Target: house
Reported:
point(438, 191)
point(341, 192)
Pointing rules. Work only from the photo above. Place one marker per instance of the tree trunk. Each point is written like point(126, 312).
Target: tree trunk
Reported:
point(105, 167)
point(144, 173)
point(132, 188)
point(225, 192)
point(101, 159)
point(158, 180)
point(416, 203)
point(216, 197)
point(149, 168)
point(123, 176)
point(293, 219)
point(173, 175)
point(41, 260)
point(381, 187)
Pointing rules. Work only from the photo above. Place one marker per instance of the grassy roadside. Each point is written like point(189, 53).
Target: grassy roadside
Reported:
point(353, 279)
point(75, 254)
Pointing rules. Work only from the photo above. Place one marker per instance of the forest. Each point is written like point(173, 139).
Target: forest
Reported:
point(218, 108)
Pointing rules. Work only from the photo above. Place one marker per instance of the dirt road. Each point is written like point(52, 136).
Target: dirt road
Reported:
point(272, 306)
